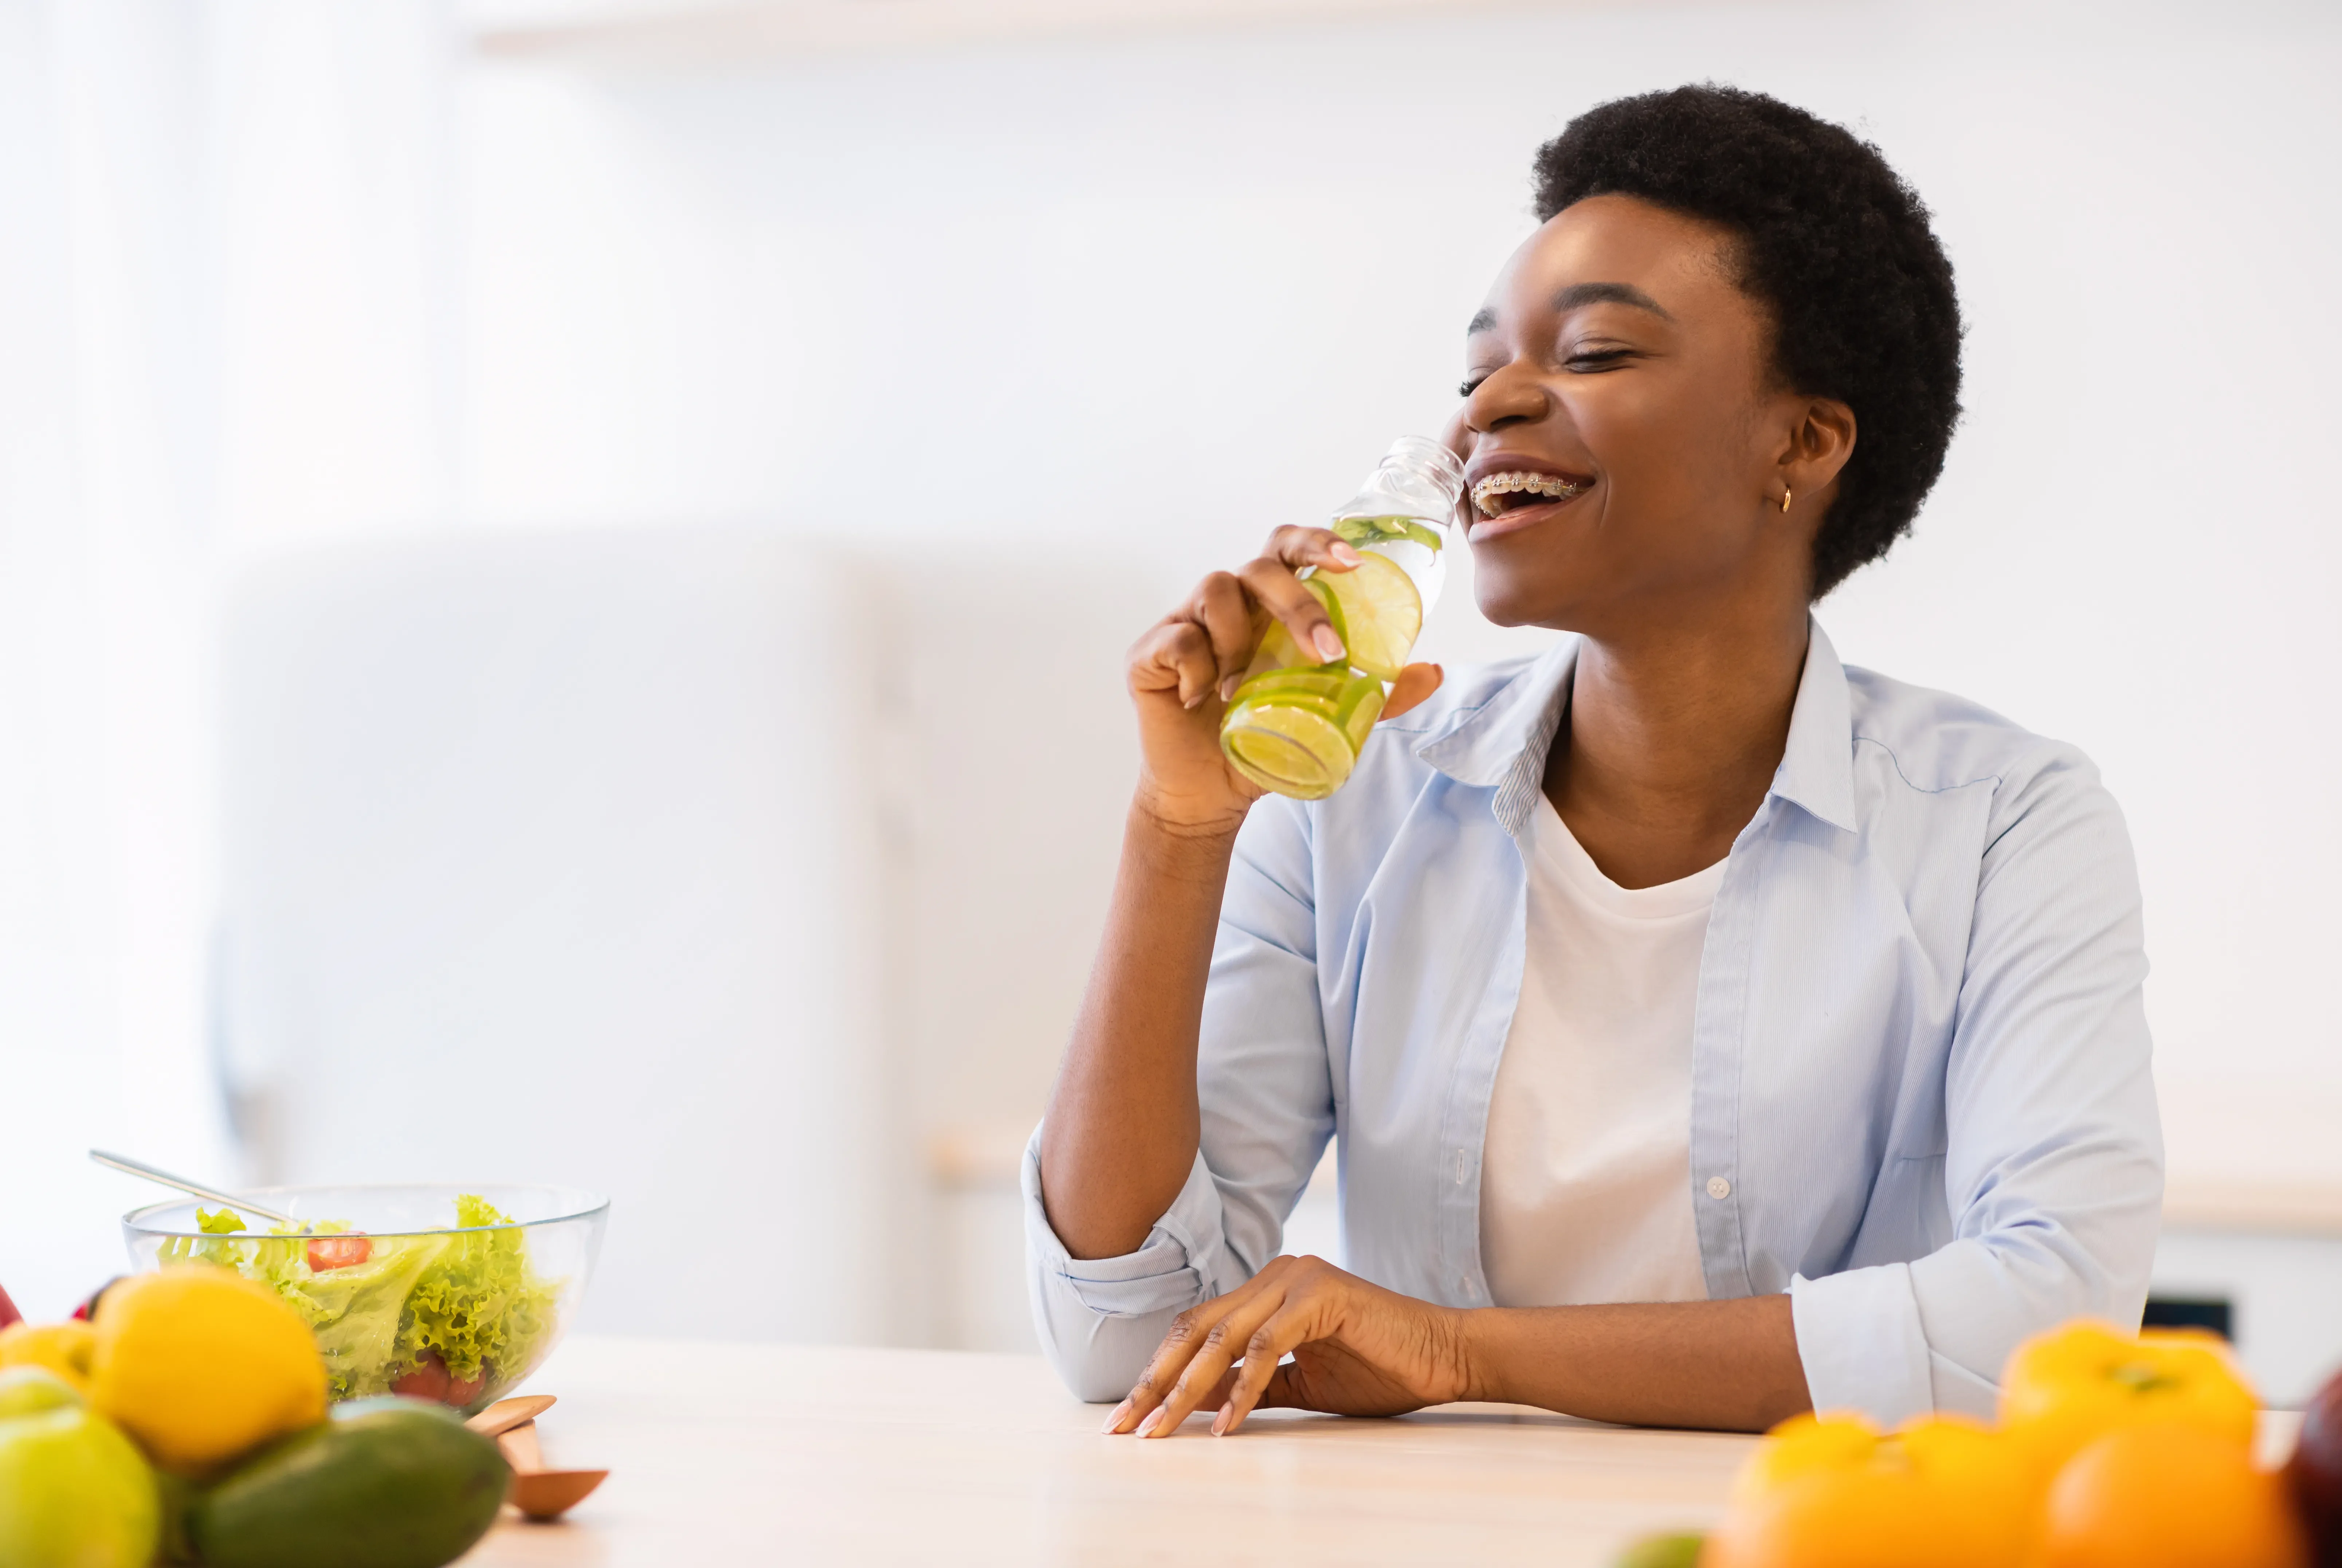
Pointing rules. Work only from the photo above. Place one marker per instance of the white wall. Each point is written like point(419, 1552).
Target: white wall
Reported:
point(1157, 295)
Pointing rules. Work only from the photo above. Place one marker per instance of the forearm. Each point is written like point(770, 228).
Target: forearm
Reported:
point(1123, 1122)
point(1729, 1366)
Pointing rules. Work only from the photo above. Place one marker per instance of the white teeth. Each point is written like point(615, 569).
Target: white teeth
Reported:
point(1506, 483)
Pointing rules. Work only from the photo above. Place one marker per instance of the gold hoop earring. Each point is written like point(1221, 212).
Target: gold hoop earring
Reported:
point(1784, 499)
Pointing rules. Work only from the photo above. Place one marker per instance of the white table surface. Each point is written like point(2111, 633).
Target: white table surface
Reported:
point(727, 1454)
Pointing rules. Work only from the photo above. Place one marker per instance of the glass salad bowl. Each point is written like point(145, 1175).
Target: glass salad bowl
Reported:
point(447, 1293)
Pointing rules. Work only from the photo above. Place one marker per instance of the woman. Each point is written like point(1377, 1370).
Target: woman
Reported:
point(1712, 1031)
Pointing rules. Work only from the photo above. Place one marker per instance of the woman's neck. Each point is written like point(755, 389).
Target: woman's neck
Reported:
point(1672, 738)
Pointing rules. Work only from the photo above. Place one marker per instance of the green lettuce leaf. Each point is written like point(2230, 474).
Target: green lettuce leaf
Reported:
point(479, 1304)
point(214, 1223)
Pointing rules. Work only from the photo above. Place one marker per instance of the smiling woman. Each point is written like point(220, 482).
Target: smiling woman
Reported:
point(1711, 1031)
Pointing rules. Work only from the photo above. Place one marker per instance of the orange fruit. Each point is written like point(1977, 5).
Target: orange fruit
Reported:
point(201, 1364)
point(1801, 1445)
point(2168, 1496)
point(1830, 1493)
point(2063, 1389)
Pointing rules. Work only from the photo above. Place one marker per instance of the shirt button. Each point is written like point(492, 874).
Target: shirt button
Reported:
point(1717, 1187)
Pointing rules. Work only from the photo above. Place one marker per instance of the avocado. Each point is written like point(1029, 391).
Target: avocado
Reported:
point(382, 1483)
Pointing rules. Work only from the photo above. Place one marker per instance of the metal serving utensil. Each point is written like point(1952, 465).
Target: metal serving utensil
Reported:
point(193, 1189)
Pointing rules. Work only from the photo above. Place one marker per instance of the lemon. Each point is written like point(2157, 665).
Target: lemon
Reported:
point(63, 1348)
point(201, 1364)
point(1380, 613)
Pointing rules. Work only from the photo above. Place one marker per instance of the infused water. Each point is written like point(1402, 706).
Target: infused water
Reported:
point(1296, 724)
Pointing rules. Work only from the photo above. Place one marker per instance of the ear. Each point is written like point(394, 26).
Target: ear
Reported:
point(1820, 440)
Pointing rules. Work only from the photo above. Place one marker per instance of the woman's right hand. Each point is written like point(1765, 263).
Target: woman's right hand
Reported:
point(1184, 670)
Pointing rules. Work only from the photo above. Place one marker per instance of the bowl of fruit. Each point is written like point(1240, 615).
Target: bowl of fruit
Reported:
point(447, 1293)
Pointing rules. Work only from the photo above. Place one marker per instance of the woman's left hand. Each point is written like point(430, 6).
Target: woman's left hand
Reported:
point(1357, 1349)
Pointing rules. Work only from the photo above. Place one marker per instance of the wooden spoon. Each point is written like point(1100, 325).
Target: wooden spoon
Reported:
point(537, 1491)
point(506, 1413)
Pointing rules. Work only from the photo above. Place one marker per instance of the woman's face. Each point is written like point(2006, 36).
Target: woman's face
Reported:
point(1623, 378)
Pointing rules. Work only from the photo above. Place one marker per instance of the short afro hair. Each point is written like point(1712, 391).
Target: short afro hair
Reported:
point(1838, 249)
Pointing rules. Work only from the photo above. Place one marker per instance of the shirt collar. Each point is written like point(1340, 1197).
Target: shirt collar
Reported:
point(1501, 743)
point(1817, 771)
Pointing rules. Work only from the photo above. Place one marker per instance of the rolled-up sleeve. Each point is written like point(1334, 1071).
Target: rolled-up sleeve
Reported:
point(1266, 1101)
point(2053, 1168)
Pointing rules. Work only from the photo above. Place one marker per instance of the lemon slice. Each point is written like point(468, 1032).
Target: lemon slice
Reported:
point(1377, 612)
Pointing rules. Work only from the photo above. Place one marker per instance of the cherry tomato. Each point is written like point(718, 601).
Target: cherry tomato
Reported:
point(427, 1381)
point(461, 1393)
point(339, 1252)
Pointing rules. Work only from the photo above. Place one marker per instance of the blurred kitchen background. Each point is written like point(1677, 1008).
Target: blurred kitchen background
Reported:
point(563, 562)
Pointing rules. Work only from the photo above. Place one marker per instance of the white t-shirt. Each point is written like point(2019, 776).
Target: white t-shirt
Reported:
point(1586, 1180)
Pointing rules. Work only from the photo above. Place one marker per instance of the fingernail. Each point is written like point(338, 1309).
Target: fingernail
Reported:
point(1115, 1419)
point(1228, 687)
point(1344, 554)
point(1154, 1419)
point(1194, 702)
point(1329, 647)
point(1220, 1422)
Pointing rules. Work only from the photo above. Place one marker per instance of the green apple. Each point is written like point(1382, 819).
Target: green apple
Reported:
point(30, 1389)
point(75, 1493)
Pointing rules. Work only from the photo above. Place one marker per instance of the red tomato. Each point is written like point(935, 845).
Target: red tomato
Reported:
point(462, 1394)
point(339, 1252)
point(427, 1381)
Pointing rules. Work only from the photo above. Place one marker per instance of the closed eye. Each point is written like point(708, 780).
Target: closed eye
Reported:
point(1598, 360)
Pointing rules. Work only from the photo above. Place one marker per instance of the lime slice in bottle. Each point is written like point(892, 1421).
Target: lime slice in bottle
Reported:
point(1384, 530)
point(1329, 594)
point(1293, 750)
point(1377, 612)
point(1313, 685)
point(1358, 709)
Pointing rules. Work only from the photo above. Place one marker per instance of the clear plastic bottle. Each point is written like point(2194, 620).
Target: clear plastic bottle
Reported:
point(1296, 724)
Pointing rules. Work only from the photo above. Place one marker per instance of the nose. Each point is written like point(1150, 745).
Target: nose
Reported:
point(1507, 396)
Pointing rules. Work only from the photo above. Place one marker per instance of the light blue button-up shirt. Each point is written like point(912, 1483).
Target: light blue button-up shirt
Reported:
point(1920, 1093)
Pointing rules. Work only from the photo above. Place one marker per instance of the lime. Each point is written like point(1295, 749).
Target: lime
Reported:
point(1293, 749)
point(1307, 684)
point(1323, 585)
point(1383, 530)
point(72, 1490)
point(1361, 705)
point(1679, 1549)
point(32, 1390)
point(1378, 612)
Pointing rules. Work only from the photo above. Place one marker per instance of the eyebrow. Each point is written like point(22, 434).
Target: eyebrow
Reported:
point(1582, 293)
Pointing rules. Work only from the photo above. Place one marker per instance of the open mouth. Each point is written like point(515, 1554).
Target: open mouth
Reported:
point(1501, 493)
